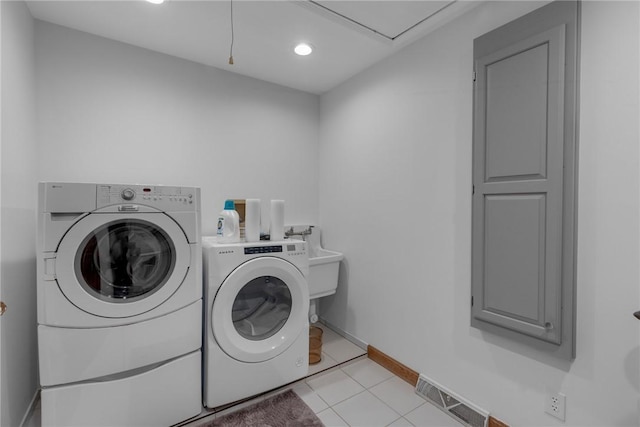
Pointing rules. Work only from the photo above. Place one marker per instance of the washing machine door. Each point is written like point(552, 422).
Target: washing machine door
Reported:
point(260, 309)
point(122, 264)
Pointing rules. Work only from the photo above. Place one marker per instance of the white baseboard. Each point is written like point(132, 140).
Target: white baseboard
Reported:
point(363, 345)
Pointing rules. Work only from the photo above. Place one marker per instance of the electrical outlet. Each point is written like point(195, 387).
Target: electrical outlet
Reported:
point(556, 405)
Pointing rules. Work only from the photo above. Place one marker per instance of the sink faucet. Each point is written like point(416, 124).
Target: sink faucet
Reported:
point(304, 233)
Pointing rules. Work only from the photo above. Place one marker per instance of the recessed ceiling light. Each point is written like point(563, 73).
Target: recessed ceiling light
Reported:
point(303, 49)
point(156, 1)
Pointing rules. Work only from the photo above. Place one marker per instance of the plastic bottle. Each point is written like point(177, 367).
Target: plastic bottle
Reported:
point(229, 224)
point(252, 220)
point(276, 231)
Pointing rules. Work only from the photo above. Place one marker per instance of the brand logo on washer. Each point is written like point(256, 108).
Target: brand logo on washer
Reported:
point(228, 251)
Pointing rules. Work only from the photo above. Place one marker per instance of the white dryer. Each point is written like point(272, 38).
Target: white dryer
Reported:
point(256, 317)
point(119, 304)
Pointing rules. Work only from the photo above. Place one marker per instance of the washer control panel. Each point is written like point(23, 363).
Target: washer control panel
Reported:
point(251, 250)
point(224, 257)
point(161, 197)
point(288, 249)
point(128, 194)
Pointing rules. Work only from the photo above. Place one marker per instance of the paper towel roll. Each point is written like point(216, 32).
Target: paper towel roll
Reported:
point(252, 220)
point(277, 220)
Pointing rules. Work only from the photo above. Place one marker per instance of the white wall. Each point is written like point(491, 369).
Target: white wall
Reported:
point(395, 175)
point(395, 184)
point(110, 112)
point(18, 178)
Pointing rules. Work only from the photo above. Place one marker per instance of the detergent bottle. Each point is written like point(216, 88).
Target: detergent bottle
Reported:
point(228, 224)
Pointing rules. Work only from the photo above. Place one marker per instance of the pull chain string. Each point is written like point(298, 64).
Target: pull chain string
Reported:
point(231, 48)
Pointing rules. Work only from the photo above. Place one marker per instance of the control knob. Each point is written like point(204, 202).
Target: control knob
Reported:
point(128, 194)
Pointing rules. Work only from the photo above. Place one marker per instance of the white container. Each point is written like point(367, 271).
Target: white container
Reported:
point(276, 231)
point(324, 267)
point(252, 220)
point(228, 224)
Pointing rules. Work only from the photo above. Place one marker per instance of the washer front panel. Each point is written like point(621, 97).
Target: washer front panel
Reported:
point(259, 309)
point(122, 265)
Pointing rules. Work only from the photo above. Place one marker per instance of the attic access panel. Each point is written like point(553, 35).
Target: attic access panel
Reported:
point(389, 19)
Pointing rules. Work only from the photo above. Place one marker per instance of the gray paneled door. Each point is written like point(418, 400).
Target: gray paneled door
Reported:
point(522, 191)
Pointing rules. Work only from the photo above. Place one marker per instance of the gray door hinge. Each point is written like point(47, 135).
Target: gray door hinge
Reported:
point(474, 76)
point(471, 300)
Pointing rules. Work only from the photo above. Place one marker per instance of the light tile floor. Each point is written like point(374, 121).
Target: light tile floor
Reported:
point(362, 393)
point(347, 389)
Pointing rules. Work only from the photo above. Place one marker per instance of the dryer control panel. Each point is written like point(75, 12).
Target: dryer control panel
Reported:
point(163, 198)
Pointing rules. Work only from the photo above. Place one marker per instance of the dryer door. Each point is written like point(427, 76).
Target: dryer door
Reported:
point(260, 309)
point(122, 265)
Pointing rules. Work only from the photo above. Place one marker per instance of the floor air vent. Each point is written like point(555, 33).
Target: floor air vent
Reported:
point(457, 407)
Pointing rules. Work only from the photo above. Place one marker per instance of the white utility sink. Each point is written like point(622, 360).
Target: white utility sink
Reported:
point(319, 256)
point(324, 266)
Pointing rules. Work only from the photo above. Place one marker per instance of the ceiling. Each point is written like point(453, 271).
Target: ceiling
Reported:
point(347, 36)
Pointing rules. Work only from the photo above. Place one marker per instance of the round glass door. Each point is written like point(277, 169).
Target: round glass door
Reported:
point(124, 261)
point(121, 265)
point(261, 308)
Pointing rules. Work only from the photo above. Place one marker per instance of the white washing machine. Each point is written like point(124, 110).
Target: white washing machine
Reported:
point(119, 304)
point(256, 317)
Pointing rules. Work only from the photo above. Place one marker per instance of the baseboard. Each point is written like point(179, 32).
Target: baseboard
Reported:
point(389, 363)
point(410, 376)
point(493, 422)
point(31, 408)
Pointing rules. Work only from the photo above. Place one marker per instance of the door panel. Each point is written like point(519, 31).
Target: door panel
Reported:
point(514, 261)
point(518, 83)
point(523, 159)
point(516, 137)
